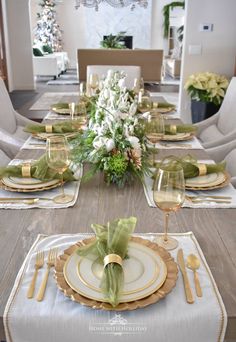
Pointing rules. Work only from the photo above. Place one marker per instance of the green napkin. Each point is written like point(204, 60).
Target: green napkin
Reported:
point(189, 165)
point(61, 127)
point(174, 129)
point(39, 169)
point(112, 238)
point(164, 105)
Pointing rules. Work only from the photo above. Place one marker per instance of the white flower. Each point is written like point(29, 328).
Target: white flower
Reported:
point(109, 144)
point(134, 141)
point(121, 83)
point(133, 109)
point(98, 143)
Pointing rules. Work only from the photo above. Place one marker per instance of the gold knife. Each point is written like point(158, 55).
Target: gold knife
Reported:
point(188, 291)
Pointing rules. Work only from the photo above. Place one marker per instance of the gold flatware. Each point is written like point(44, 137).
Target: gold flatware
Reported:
point(200, 200)
point(26, 200)
point(181, 263)
point(38, 264)
point(52, 255)
point(208, 196)
point(194, 263)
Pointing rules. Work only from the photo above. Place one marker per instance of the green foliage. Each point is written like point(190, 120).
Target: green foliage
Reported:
point(113, 42)
point(166, 14)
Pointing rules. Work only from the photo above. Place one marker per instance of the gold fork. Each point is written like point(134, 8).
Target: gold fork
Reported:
point(52, 255)
point(38, 264)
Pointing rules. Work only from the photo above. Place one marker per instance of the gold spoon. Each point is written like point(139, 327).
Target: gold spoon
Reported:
point(194, 263)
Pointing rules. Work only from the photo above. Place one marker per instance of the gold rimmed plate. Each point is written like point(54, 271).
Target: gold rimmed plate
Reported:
point(63, 108)
point(44, 136)
point(7, 184)
point(177, 137)
point(145, 285)
point(208, 182)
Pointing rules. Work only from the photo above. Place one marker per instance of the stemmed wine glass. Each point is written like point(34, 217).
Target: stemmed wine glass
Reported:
point(93, 82)
point(57, 156)
point(72, 110)
point(154, 131)
point(144, 103)
point(138, 85)
point(169, 195)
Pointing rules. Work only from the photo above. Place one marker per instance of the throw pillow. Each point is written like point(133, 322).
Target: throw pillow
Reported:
point(37, 52)
point(47, 48)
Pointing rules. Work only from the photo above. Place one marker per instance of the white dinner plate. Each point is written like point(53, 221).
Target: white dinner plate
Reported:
point(206, 181)
point(144, 273)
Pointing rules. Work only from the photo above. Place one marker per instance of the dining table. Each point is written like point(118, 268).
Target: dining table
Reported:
point(99, 203)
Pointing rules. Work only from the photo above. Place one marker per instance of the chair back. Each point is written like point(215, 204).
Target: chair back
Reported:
point(7, 117)
point(131, 72)
point(227, 113)
point(231, 162)
point(149, 60)
point(4, 159)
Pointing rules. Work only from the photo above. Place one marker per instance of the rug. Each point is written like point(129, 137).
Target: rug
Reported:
point(65, 79)
point(47, 99)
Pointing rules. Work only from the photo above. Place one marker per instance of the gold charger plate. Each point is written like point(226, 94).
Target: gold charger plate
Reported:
point(225, 182)
point(161, 110)
point(168, 285)
point(44, 136)
point(177, 137)
point(8, 188)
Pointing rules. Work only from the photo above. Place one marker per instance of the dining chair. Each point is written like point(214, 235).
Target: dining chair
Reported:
point(4, 159)
point(226, 152)
point(131, 72)
point(12, 135)
point(221, 127)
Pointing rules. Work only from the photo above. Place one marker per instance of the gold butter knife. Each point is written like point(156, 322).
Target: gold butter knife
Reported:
point(181, 263)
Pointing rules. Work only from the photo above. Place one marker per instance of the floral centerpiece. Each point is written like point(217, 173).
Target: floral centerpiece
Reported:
point(205, 88)
point(114, 141)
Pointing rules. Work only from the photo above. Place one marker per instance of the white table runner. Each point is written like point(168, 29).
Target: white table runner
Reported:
point(34, 144)
point(58, 319)
point(71, 188)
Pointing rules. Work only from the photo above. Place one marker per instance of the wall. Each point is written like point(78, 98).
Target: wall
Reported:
point(218, 47)
point(84, 28)
point(18, 44)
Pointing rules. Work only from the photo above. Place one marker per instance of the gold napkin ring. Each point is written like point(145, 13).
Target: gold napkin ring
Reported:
point(173, 129)
point(48, 128)
point(112, 258)
point(202, 169)
point(155, 105)
point(25, 170)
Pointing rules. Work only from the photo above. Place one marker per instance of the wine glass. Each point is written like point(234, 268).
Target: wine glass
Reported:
point(93, 82)
point(144, 103)
point(154, 131)
point(57, 156)
point(168, 195)
point(72, 110)
point(82, 89)
point(138, 85)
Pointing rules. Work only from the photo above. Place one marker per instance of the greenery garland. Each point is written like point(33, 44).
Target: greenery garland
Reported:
point(166, 13)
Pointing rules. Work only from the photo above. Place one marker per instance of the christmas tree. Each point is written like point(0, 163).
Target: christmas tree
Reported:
point(47, 31)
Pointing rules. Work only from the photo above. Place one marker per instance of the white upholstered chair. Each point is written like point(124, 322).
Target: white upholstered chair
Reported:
point(4, 159)
point(226, 152)
point(131, 71)
point(12, 124)
point(221, 127)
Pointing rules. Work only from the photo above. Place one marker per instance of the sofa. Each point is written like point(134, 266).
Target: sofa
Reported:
point(49, 64)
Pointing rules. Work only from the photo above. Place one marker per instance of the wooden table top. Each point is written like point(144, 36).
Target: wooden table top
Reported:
point(98, 203)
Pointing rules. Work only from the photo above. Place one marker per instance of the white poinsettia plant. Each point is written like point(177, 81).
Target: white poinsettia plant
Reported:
point(114, 141)
point(207, 87)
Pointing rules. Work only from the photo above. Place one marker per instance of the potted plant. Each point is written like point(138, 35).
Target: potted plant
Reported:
point(207, 91)
point(114, 42)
